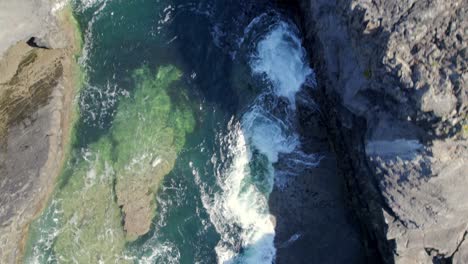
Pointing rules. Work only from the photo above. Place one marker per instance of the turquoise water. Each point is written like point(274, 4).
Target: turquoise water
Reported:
point(187, 109)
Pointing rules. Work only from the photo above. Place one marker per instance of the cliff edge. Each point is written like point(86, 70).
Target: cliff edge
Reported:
point(38, 76)
point(393, 75)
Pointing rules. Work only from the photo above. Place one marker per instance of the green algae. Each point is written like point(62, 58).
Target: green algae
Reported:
point(149, 131)
point(106, 194)
point(92, 232)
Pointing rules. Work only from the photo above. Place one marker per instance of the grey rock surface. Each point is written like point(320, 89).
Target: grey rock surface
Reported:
point(401, 66)
point(23, 19)
point(36, 93)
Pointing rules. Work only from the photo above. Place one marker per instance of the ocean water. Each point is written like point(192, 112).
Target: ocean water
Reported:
point(187, 108)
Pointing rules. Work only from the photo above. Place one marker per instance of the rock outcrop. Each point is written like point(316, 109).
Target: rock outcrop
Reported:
point(37, 86)
point(393, 75)
point(149, 131)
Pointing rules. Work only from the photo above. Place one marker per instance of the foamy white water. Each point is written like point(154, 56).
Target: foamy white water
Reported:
point(282, 59)
point(86, 4)
point(269, 134)
point(88, 34)
point(241, 204)
point(240, 211)
point(162, 253)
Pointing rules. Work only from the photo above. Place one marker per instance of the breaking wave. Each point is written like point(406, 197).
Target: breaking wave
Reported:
point(239, 209)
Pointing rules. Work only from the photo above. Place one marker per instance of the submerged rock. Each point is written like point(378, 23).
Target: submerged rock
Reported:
point(149, 131)
point(106, 195)
point(89, 223)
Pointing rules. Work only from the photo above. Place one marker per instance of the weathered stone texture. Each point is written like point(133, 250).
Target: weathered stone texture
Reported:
point(36, 93)
point(402, 66)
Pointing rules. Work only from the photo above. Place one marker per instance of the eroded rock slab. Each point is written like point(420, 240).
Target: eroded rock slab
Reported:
point(36, 91)
point(149, 132)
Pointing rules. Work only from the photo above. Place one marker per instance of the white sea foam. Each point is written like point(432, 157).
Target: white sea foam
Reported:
point(242, 206)
point(88, 34)
point(46, 237)
point(240, 211)
point(282, 59)
point(98, 103)
point(162, 253)
point(269, 134)
point(86, 4)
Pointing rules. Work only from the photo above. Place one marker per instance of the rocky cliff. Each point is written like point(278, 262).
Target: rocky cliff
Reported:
point(37, 81)
point(392, 77)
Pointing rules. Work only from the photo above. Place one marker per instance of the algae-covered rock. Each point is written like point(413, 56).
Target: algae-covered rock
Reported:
point(91, 232)
point(116, 178)
point(82, 224)
point(149, 131)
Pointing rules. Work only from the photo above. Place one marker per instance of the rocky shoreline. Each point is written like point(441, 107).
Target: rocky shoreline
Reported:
point(38, 83)
point(392, 129)
point(392, 89)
